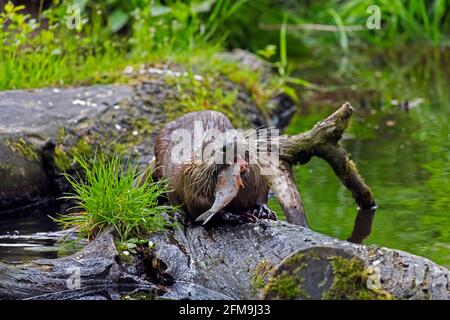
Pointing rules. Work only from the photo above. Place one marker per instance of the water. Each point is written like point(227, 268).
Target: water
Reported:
point(31, 233)
point(401, 148)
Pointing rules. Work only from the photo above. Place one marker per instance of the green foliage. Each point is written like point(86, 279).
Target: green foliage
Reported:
point(110, 196)
point(268, 52)
point(33, 56)
point(409, 20)
point(402, 21)
point(130, 245)
point(113, 34)
point(284, 79)
point(43, 50)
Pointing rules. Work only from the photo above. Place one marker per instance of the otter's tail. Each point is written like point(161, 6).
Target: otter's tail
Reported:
point(205, 217)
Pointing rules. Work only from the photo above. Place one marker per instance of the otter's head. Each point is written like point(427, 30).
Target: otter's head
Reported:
point(235, 152)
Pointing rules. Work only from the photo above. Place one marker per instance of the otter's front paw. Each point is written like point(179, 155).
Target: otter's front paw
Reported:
point(263, 212)
point(233, 218)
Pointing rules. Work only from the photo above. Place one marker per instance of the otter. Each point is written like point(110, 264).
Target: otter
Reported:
point(233, 190)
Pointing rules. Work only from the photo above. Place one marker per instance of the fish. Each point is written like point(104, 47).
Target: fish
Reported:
point(227, 187)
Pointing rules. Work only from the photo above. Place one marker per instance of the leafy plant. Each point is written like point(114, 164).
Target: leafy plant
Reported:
point(130, 245)
point(109, 196)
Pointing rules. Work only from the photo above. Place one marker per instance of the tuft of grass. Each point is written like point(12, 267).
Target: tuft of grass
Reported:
point(109, 197)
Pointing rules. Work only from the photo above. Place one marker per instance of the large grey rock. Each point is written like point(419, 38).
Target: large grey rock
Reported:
point(42, 112)
point(30, 121)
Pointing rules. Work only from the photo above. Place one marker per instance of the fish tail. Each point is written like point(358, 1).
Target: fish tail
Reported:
point(205, 217)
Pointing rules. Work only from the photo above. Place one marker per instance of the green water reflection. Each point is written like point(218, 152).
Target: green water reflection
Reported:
point(399, 139)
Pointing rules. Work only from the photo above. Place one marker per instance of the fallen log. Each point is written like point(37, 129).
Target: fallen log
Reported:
point(263, 260)
point(242, 262)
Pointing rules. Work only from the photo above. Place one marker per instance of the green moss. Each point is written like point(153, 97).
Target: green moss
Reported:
point(62, 161)
point(22, 147)
point(63, 157)
point(286, 286)
point(126, 258)
point(6, 166)
point(212, 92)
point(260, 274)
point(260, 89)
point(140, 295)
point(350, 282)
point(287, 282)
point(140, 129)
point(61, 135)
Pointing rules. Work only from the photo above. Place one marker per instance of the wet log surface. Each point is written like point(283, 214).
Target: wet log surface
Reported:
point(94, 273)
point(230, 259)
point(96, 264)
point(232, 262)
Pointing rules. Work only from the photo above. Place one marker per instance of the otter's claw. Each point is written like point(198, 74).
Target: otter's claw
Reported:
point(263, 212)
point(232, 218)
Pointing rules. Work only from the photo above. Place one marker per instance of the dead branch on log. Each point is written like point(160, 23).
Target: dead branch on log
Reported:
point(322, 141)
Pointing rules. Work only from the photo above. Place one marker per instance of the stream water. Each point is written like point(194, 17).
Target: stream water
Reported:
point(399, 138)
point(31, 234)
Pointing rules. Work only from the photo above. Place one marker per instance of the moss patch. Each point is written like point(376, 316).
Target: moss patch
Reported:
point(208, 93)
point(140, 295)
point(350, 282)
point(260, 274)
point(22, 147)
point(286, 286)
point(286, 283)
point(63, 157)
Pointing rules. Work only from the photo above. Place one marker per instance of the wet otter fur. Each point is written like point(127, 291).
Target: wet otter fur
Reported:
point(197, 185)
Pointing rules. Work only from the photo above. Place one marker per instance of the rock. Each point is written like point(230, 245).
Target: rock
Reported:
point(30, 123)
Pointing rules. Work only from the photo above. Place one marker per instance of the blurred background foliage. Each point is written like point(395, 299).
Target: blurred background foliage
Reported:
point(39, 49)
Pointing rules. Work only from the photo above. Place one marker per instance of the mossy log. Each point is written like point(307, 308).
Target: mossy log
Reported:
point(244, 262)
point(263, 260)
